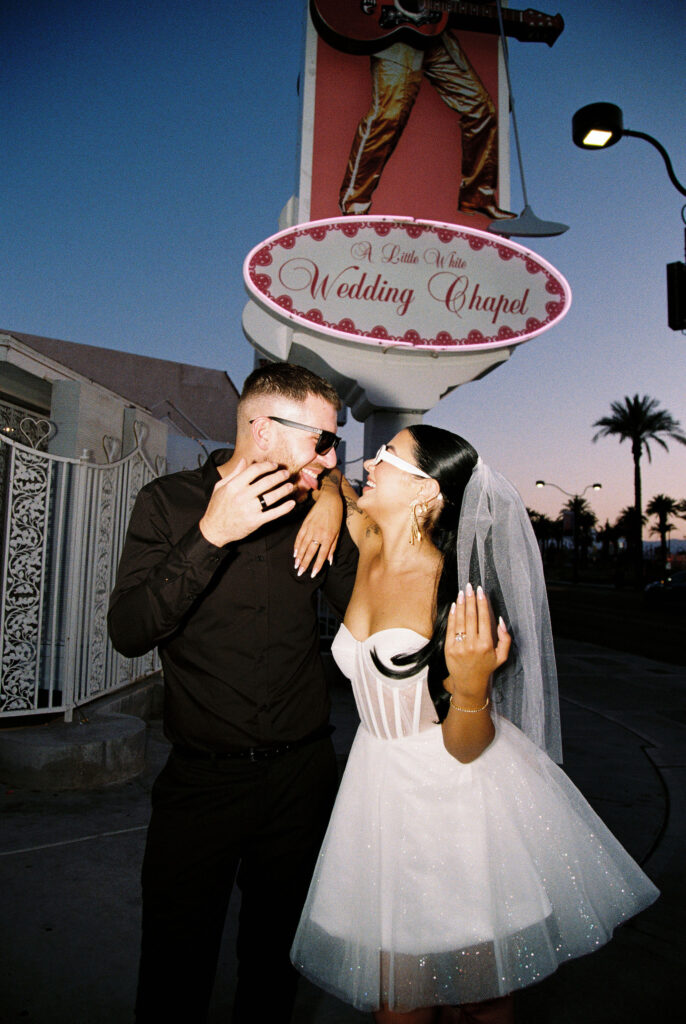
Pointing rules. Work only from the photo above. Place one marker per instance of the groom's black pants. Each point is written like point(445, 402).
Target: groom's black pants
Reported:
point(260, 823)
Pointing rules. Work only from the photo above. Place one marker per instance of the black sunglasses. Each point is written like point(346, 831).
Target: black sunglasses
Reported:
point(326, 439)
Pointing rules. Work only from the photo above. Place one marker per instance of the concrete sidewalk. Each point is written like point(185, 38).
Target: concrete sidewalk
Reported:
point(70, 861)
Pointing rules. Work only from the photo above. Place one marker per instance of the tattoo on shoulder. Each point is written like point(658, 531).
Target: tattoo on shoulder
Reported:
point(351, 508)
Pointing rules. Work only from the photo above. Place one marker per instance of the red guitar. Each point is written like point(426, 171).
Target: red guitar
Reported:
point(365, 26)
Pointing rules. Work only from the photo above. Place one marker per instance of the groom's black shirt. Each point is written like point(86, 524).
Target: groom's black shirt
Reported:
point(236, 628)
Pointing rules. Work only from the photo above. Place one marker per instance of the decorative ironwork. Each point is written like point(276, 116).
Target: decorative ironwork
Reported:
point(62, 524)
point(101, 582)
point(112, 446)
point(23, 579)
point(22, 426)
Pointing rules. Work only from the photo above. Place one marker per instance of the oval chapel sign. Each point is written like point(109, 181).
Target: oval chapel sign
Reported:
point(403, 282)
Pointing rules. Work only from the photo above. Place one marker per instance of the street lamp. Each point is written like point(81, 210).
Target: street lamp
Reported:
point(575, 497)
point(600, 125)
point(547, 483)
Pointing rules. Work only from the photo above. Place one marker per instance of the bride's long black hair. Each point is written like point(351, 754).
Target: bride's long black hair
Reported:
point(449, 460)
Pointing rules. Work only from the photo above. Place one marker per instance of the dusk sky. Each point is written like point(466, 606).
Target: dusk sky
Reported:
point(148, 146)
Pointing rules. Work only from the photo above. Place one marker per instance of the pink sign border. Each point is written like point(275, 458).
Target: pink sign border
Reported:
point(258, 283)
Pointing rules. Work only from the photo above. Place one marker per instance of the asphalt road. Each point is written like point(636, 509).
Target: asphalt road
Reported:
point(620, 619)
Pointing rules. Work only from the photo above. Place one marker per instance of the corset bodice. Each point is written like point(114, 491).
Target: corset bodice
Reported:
point(388, 708)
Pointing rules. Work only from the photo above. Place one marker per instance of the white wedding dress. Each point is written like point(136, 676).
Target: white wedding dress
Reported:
point(440, 882)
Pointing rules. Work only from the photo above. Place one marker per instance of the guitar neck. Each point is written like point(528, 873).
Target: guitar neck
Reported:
point(527, 26)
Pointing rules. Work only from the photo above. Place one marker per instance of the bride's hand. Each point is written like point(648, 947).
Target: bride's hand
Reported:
point(318, 535)
point(474, 647)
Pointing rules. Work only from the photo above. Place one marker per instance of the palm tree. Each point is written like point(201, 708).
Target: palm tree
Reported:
point(663, 507)
point(607, 535)
point(545, 529)
point(580, 507)
point(640, 421)
point(625, 524)
point(583, 521)
point(625, 528)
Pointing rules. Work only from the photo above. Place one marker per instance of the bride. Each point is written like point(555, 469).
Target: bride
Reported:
point(460, 863)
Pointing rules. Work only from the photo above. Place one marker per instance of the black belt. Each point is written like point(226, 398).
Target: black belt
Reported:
point(253, 753)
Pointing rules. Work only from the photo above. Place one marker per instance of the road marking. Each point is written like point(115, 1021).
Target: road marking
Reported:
point(70, 842)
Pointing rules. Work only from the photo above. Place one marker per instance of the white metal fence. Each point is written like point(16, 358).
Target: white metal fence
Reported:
point(62, 528)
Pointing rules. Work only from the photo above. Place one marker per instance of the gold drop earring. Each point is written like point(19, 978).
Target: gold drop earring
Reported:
point(415, 531)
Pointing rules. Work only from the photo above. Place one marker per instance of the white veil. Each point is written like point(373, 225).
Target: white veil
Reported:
point(497, 548)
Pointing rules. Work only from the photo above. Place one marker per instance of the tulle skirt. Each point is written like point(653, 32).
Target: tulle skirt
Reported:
point(443, 883)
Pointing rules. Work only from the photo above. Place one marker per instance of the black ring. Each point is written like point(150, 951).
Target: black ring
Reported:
point(263, 503)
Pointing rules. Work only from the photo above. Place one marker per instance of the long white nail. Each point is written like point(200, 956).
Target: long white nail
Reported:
point(469, 590)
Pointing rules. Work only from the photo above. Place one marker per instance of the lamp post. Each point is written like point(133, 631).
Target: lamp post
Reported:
point(601, 125)
point(577, 498)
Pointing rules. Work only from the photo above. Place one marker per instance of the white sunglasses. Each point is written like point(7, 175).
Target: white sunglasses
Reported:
point(383, 455)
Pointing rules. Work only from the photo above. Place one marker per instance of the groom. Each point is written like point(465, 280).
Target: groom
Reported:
point(207, 575)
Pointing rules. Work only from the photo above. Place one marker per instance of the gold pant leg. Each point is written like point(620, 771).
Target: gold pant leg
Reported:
point(396, 75)
point(395, 84)
point(457, 83)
